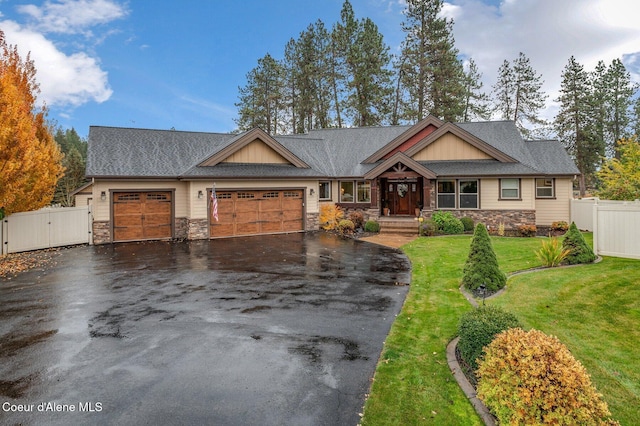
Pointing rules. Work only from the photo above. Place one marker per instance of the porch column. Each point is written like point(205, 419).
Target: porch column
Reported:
point(375, 200)
point(428, 194)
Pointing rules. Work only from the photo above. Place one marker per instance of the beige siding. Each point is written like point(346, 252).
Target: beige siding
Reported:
point(490, 196)
point(450, 147)
point(199, 207)
point(256, 152)
point(101, 209)
point(551, 210)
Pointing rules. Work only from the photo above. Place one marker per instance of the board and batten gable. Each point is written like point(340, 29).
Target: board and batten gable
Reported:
point(450, 147)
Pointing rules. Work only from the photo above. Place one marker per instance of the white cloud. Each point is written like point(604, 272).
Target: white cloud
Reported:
point(72, 16)
point(65, 80)
point(547, 31)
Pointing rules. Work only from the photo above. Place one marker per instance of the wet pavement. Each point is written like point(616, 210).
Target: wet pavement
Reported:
point(271, 330)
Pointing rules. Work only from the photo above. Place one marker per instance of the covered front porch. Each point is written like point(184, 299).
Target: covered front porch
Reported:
point(402, 187)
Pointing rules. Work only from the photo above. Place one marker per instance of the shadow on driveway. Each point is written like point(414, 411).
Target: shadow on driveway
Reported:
point(271, 330)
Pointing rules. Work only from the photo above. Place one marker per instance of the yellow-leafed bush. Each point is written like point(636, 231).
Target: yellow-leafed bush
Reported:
point(527, 377)
point(330, 216)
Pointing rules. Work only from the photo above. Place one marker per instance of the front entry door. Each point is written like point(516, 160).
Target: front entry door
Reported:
point(403, 198)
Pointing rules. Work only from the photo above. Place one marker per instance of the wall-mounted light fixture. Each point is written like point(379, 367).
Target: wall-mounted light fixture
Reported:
point(200, 195)
point(103, 196)
point(312, 191)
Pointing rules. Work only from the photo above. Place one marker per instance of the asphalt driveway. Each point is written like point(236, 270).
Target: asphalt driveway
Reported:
point(272, 330)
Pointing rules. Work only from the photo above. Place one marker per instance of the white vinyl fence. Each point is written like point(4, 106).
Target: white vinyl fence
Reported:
point(45, 228)
point(615, 225)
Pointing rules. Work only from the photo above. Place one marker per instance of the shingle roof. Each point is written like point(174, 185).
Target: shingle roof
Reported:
point(330, 153)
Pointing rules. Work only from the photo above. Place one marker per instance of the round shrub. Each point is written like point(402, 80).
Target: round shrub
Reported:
point(346, 227)
point(371, 226)
point(477, 329)
point(579, 250)
point(481, 266)
point(468, 224)
point(448, 223)
point(428, 228)
point(527, 377)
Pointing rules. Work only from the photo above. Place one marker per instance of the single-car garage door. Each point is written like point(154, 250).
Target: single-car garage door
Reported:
point(257, 212)
point(142, 215)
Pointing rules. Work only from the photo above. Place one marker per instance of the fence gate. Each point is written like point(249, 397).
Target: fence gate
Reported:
point(45, 228)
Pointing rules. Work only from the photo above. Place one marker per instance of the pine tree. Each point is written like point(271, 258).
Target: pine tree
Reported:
point(370, 77)
point(579, 250)
point(30, 160)
point(620, 93)
point(573, 121)
point(74, 149)
point(481, 267)
point(518, 95)
point(476, 102)
point(262, 99)
point(430, 70)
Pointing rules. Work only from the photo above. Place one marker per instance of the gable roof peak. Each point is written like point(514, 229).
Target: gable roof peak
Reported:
point(244, 139)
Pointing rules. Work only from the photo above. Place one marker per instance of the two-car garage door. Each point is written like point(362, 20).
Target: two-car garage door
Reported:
point(146, 215)
point(257, 212)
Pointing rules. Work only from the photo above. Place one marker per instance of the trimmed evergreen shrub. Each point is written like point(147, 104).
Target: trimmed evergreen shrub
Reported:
point(371, 226)
point(468, 224)
point(527, 377)
point(448, 223)
point(477, 329)
point(481, 266)
point(579, 250)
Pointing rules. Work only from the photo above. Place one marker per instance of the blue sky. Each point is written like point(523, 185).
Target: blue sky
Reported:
point(162, 64)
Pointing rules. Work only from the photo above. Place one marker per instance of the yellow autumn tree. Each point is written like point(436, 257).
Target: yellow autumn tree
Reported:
point(30, 159)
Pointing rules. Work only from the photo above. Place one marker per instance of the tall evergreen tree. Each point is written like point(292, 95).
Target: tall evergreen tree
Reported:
point(431, 72)
point(621, 91)
point(599, 100)
point(261, 100)
point(476, 102)
point(370, 77)
point(343, 37)
point(573, 122)
point(519, 96)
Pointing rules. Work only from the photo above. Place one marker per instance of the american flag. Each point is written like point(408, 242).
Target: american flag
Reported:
point(214, 203)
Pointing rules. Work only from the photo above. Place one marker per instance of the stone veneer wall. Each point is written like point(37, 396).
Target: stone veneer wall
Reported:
point(313, 222)
point(511, 219)
point(101, 232)
point(198, 229)
point(181, 228)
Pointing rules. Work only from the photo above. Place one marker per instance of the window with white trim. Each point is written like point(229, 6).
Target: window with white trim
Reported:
point(468, 194)
point(509, 189)
point(544, 188)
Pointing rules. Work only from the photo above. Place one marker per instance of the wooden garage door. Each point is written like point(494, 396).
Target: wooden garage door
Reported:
point(141, 216)
point(257, 212)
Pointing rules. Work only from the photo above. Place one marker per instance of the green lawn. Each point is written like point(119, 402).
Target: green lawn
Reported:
point(593, 309)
